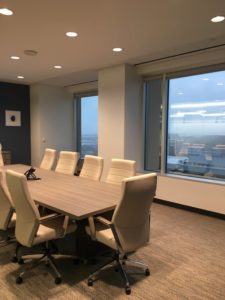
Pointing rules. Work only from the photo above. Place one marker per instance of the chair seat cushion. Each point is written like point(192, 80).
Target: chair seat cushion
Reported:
point(104, 235)
point(52, 229)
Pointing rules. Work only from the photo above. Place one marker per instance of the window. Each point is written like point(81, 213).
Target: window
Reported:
point(194, 139)
point(87, 125)
point(196, 125)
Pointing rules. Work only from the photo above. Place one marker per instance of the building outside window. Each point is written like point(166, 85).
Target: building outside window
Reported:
point(87, 125)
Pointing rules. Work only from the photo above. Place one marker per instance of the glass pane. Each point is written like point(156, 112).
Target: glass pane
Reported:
point(196, 125)
point(89, 126)
point(153, 122)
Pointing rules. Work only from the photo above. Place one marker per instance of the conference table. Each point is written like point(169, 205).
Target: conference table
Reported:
point(73, 196)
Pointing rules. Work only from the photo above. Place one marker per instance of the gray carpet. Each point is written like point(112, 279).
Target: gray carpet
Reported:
point(186, 256)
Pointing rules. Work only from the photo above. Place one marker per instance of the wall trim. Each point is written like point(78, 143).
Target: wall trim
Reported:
point(190, 208)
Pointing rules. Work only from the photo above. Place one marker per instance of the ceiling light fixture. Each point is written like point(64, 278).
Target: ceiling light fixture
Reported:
point(6, 12)
point(219, 83)
point(14, 57)
point(71, 34)
point(20, 77)
point(58, 67)
point(117, 49)
point(180, 93)
point(217, 19)
point(205, 79)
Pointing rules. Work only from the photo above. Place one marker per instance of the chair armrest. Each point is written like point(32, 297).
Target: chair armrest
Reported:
point(49, 217)
point(65, 225)
point(103, 221)
point(91, 223)
point(110, 225)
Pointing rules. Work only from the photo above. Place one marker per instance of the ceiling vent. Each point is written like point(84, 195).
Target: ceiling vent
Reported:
point(30, 52)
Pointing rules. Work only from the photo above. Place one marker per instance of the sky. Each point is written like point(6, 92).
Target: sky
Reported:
point(89, 115)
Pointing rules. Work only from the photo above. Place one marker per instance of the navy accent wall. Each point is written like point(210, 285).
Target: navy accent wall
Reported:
point(16, 139)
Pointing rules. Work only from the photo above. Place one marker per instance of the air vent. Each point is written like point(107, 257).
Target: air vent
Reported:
point(30, 52)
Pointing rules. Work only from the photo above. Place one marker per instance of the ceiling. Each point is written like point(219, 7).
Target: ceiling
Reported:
point(145, 29)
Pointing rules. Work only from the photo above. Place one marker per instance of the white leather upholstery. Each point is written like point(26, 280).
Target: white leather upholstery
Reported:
point(6, 206)
point(120, 169)
point(92, 167)
point(131, 216)
point(30, 229)
point(67, 162)
point(48, 159)
point(1, 159)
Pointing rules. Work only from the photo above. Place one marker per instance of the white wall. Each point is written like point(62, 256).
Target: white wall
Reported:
point(119, 90)
point(51, 120)
point(204, 195)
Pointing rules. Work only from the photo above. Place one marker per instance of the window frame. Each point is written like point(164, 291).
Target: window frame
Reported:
point(166, 76)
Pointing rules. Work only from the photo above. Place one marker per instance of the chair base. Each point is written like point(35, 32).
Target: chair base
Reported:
point(46, 257)
point(120, 260)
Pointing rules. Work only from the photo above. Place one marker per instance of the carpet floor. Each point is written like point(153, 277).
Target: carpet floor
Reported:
point(186, 256)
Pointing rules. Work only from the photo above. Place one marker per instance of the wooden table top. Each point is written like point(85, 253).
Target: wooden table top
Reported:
point(76, 197)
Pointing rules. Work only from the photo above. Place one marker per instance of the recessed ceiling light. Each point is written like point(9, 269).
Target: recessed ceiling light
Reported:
point(58, 67)
point(217, 19)
point(15, 57)
point(6, 11)
point(71, 34)
point(180, 93)
point(20, 77)
point(205, 79)
point(117, 49)
point(219, 83)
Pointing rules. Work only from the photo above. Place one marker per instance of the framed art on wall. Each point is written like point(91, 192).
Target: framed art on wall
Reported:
point(12, 118)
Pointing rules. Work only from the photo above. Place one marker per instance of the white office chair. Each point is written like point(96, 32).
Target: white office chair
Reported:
point(31, 229)
point(48, 159)
point(129, 228)
point(120, 169)
point(92, 167)
point(1, 159)
point(7, 212)
point(67, 162)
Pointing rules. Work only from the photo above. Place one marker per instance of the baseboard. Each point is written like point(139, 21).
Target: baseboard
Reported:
point(190, 208)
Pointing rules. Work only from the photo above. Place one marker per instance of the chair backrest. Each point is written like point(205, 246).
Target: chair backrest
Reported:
point(131, 216)
point(6, 205)
point(92, 167)
point(67, 162)
point(27, 214)
point(1, 159)
point(48, 159)
point(120, 169)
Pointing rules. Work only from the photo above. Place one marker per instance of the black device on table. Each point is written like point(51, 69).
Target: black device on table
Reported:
point(30, 174)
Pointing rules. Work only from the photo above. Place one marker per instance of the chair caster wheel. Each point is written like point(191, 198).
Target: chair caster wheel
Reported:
point(19, 280)
point(58, 280)
point(147, 272)
point(47, 265)
point(90, 282)
point(128, 290)
point(20, 261)
point(14, 259)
